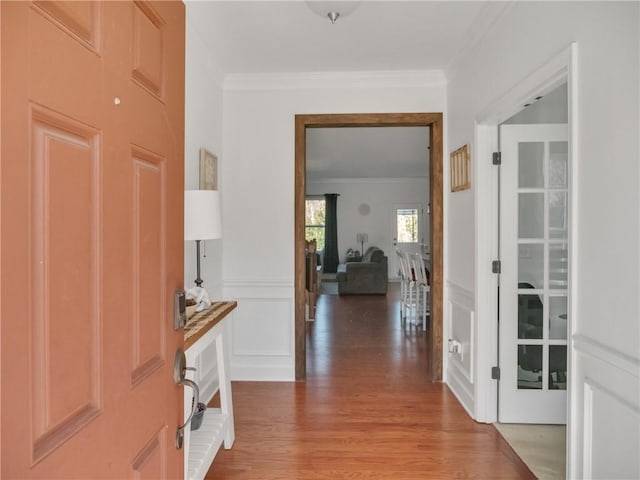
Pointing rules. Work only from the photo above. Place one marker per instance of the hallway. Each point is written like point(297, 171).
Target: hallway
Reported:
point(366, 411)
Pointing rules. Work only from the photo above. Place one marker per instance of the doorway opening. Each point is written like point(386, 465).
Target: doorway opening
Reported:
point(434, 122)
point(534, 232)
point(558, 71)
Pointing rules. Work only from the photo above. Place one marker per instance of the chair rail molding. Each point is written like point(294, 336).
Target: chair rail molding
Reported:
point(593, 348)
point(607, 382)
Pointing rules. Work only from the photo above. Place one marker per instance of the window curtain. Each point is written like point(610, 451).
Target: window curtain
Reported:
point(330, 259)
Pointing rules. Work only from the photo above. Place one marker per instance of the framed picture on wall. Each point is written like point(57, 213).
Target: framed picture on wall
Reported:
point(460, 163)
point(208, 170)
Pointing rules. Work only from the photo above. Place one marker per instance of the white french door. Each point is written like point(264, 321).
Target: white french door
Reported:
point(534, 221)
point(407, 231)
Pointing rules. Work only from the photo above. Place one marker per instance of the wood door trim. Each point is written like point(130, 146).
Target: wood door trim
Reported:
point(435, 124)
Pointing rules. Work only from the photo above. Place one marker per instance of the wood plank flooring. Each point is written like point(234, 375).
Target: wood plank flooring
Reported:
point(367, 410)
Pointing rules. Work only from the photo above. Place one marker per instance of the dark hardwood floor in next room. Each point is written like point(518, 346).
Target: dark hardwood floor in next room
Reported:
point(366, 411)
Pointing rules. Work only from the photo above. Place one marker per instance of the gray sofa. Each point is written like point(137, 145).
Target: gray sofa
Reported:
point(366, 277)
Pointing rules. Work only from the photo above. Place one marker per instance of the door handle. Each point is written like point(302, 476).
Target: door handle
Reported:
point(196, 398)
point(179, 375)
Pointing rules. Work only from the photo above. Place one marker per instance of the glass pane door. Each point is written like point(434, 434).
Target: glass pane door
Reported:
point(542, 264)
point(534, 281)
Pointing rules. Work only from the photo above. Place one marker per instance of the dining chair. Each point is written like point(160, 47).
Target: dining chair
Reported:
point(422, 289)
point(402, 283)
point(407, 287)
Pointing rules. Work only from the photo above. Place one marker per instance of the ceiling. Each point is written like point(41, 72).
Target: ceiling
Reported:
point(250, 37)
point(367, 152)
point(288, 36)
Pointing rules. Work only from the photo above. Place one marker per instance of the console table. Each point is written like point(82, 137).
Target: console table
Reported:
point(205, 333)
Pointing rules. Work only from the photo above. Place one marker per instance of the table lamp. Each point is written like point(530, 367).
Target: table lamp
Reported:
point(202, 219)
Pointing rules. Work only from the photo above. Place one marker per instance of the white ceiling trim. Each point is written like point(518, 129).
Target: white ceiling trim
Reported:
point(484, 22)
point(325, 80)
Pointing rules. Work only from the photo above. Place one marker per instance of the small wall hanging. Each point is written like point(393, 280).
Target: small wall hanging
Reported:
point(208, 170)
point(460, 163)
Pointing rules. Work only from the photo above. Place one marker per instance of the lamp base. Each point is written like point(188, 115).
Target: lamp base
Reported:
point(198, 281)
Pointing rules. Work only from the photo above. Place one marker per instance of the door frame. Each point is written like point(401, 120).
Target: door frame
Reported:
point(559, 69)
point(435, 123)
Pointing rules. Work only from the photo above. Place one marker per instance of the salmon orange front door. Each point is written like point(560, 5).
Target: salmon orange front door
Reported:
point(91, 226)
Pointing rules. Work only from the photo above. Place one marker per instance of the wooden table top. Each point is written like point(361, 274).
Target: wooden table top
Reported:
point(204, 321)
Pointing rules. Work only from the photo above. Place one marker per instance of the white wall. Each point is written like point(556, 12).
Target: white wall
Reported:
point(606, 320)
point(381, 195)
point(258, 152)
point(203, 128)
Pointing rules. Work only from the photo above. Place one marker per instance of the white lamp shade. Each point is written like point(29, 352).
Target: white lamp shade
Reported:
point(202, 216)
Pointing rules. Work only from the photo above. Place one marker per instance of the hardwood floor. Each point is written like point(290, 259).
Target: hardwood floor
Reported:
point(367, 410)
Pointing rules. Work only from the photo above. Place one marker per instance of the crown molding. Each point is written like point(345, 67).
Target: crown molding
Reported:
point(328, 80)
point(484, 22)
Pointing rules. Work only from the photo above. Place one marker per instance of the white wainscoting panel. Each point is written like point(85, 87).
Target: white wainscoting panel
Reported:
point(607, 440)
point(262, 331)
point(460, 329)
point(263, 328)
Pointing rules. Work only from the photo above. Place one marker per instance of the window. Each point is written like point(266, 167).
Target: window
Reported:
point(314, 221)
point(407, 225)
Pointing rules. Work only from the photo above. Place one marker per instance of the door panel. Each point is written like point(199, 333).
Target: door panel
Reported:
point(79, 19)
point(148, 266)
point(92, 178)
point(533, 280)
point(64, 299)
point(148, 49)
